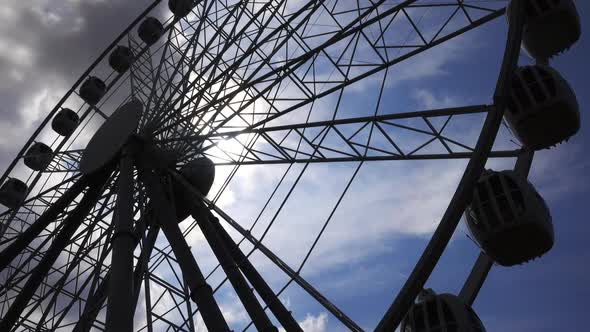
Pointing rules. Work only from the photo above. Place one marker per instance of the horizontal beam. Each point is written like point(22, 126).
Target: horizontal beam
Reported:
point(457, 155)
point(366, 119)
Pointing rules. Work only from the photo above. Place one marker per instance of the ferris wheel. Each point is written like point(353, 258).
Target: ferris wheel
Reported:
point(137, 157)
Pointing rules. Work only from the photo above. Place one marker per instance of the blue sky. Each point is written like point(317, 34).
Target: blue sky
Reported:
point(545, 295)
point(550, 293)
point(385, 220)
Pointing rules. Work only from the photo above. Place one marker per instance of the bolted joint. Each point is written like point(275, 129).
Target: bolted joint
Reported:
point(200, 291)
point(125, 233)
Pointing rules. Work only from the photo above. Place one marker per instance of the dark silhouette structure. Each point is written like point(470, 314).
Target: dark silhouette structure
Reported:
point(80, 246)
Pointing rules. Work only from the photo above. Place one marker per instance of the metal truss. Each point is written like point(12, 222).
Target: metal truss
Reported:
point(246, 73)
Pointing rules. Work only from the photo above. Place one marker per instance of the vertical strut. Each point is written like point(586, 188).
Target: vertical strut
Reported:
point(96, 300)
point(247, 297)
point(476, 278)
point(70, 225)
point(119, 306)
point(201, 292)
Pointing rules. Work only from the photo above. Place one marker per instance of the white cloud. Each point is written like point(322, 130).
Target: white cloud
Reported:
point(560, 172)
point(388, 200)
point(428, 100)
point(313, 323)
point(30, 114)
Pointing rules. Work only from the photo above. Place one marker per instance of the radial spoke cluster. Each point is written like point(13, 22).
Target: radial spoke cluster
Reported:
point(236, 83)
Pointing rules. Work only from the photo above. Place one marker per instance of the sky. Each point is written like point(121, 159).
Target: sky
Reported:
point(386, 218)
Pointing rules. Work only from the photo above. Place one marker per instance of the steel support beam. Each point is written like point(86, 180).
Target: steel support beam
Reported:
point(476, 278)
point(49, 216)
point(441, 156)
point(247, 297)
point(120, 307)
point(201, 292)
point(474, 109)
point(96, 300)
point(333, 309)
point(266, 293)
point(70, 225)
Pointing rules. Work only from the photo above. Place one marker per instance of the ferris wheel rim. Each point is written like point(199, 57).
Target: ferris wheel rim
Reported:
point(104, 54)
point(76, 84)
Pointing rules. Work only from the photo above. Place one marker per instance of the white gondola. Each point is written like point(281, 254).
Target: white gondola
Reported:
point(438, 313)
point(509, 219)
point(65, 122)
point(551, 27)
point(121, 59)
point(12, 193)
point(200, 173)
point(180, 8)
point(92, 90)
point(38, 157)
point(150, 30)
point(542, 109)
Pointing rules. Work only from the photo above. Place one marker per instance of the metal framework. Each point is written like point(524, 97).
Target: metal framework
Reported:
point(271, 80)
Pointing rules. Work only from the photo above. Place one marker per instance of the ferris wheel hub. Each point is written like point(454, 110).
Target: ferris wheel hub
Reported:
point(110, 138)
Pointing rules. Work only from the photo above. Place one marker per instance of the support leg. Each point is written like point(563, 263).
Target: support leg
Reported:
point(247, 297)
point(96, 300)
point(120, 307)
point(201, 292)
point(268, 296)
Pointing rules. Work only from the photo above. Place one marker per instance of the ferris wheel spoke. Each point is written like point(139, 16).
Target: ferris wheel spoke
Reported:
point(397, 136)
point(99, 247)
point(290, 66)
point(63, 161)
point(25, 238)
point(231, 17)
point(215, 113)
point(187, 90)
point(71, 224)
point(224, 76)
point(156, 75)
point(255, 47)
point(30, 256)
point(196, 58)
point(140, 73)
point(86, 246)
point(30, 209)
